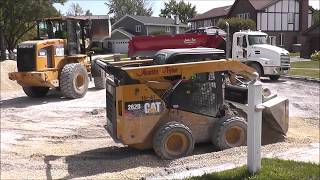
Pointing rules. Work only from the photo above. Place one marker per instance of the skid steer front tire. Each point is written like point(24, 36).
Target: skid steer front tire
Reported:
point(35, 91)
point(230, 132)
point(173, 140)
point(74, 81)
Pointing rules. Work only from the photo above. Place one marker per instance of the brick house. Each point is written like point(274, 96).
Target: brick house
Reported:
point(283, 20)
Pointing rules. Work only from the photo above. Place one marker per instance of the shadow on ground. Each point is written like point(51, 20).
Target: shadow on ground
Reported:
point(113, 159)
point(25, 101)
point(267, 80)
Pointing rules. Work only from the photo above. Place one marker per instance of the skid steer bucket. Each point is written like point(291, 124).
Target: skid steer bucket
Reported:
point(276, 114)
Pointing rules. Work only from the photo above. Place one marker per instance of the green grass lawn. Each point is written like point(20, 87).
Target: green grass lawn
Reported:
point(271, 169)
point(312, 69)
point(306, 64)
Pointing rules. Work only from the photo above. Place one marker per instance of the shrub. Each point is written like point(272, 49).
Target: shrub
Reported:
point(237, 24)
point(97, 50)
point(315, 56)
point(158, 32)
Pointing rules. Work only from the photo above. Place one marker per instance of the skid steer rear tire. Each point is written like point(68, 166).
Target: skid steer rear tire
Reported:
point(35, 91)
point(173, 140)
point(100, 82)
point(74, 81)
point(230, 132)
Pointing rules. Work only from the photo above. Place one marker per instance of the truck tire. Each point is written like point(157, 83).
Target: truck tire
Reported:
point(173, 140)
point(274, 77)
point(35, 91)
point(257, 68)
point(230, 132)
point(74, 81)
point(100, 82)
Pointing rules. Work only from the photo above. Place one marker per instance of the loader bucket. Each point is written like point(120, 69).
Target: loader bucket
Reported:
point(276, 114)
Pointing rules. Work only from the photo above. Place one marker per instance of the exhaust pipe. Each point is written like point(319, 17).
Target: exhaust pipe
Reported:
point(228, 41)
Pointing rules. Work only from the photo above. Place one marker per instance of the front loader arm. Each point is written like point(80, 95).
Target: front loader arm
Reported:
point(186, 70)
point(144, 74)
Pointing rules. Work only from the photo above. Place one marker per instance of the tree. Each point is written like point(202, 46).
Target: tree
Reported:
point(75, 10)
point(88, 13)
point(120, 8)
point(237, 24)
point(18, 17)
point(184, 10)
point(316, 16)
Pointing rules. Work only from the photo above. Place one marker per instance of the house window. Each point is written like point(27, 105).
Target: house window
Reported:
point(167, 28)
point(213, 22)
point(244, 16)
point(290, 18)
point(138, 28)
point(281, 37)
point(272, 40)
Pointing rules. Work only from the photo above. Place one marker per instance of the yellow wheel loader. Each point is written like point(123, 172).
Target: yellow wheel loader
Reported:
point(57, 59)
point(170, 104)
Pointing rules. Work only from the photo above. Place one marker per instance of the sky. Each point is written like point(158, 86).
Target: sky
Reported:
point(97, 7)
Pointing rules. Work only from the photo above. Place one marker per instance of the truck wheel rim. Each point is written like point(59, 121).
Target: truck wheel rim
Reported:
point(80, 82)
point(176, 144)
point(234, 136)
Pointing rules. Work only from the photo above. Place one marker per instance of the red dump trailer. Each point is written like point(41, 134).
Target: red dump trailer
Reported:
point(147, 46)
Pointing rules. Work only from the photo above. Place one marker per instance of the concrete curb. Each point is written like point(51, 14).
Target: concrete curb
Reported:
point(301, 78)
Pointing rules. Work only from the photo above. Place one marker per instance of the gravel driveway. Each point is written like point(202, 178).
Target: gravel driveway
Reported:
point(53, 138)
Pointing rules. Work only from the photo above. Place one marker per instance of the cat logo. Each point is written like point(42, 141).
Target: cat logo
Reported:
point(152, 108)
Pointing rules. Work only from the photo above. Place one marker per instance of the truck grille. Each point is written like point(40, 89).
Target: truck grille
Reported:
point(285, 61)
point(26, 59)
point(111, 126)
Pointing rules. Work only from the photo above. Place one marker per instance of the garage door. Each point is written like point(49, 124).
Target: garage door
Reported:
point(120, 46)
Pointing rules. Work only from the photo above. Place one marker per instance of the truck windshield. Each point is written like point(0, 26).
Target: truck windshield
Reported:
point(261, 39)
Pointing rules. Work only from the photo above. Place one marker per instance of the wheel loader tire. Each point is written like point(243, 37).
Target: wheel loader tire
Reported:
point(230, 132)
point(173, 140)
point(74, 81)
point(100, 82)
point(35, 91)
point(274, 77)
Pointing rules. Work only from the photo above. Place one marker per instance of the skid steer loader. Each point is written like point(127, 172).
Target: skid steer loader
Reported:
point(171, 107)
point(57, 59)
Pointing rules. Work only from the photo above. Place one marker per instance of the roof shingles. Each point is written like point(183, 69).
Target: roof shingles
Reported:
point(148, 20)
point(223, 11)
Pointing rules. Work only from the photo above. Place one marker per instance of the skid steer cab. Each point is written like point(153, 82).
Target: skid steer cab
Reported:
point(58, 58)
point(171, 107)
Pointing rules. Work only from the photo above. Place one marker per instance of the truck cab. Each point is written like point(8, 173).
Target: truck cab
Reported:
point(252, 48)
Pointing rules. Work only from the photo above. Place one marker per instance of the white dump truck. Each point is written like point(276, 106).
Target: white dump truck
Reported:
point(250, 47)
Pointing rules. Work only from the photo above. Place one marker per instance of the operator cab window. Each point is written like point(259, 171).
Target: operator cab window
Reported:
point(159, 59)
point(197, 95)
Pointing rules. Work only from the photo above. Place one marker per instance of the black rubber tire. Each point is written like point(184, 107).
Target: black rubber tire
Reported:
point(35, 91)
point(257, 68)
point(68, 80)
point(220, 139)
point(100, 82)
point(274, 77)
point(163, 135)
